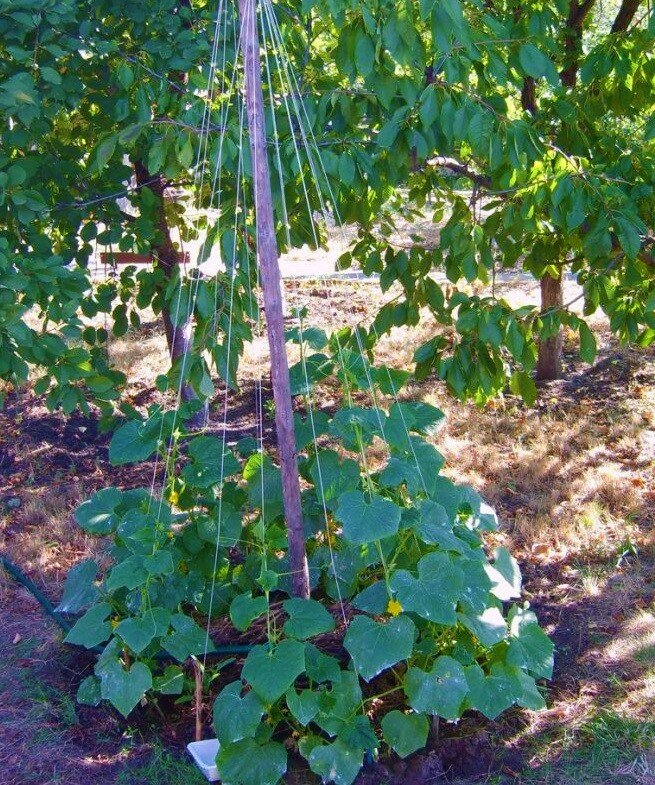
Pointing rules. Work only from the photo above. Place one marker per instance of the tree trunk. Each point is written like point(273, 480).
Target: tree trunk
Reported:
point(573, 40)
point(178, 338)
point(549, 363)
point(529, 95)
point(625, 15)
point(267, 256)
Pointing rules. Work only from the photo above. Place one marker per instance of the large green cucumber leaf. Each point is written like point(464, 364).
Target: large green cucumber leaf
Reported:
point(306, 618)
point(128, 574)
point(376, 646)
point(332, 476)
point(440, 691)
point(227, 530)
point(88, 692)
point(434, 527)
point(80, 588)
point(210, 463)
point(411, 416)
point(264, 485)
point(139, 631)
point(529, 695)
point(358, 732)
point(98, 515)
point(505, 575)
point(491, 693)
point(405, 733)
point(365, 519)
point(270, 671)
point(321, 667)
point(529, 646)
point(475, 596)
point(339, 705)
point(304, 705)
point(235, 716)
point(134, 441)
point(434, 594)
point(245, 608)
point(356, 426)
point(336, 762)
point(171, 682)
point(246, 762)
point(489, 627)
point(373, 599)
point(313, 426)
point(187, 638)
point(124, 688)
point(92, 628)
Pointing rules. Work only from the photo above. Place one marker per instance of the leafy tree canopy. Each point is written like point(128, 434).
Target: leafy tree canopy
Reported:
point(527, 128)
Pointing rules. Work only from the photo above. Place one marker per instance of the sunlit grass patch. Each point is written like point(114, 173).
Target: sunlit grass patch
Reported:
point(610, 748)
point(163, 767)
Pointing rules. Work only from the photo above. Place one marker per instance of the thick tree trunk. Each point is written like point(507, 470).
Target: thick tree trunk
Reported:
point(549, 363)
point(178, 338)
point(267, 255)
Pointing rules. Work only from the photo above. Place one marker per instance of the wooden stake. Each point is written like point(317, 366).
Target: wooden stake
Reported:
point(267, 254)
point(197, 675)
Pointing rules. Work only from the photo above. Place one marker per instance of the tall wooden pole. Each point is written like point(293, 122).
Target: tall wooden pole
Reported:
point(267, 254)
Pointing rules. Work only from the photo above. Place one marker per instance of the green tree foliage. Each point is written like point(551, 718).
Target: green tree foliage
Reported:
point(528, 129)
point(103, 101)
point(72, 110)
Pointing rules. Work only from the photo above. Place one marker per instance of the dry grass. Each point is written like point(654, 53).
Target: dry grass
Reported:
point(554, 474)
point(42, 536)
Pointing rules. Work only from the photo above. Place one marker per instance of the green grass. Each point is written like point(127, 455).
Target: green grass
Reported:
point(49, 701)
point(645, 654)
point(609, 749)
point(163, 768)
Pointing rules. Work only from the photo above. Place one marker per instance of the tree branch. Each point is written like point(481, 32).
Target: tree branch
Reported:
point(461, 169)
point(625, 15)
point(573, 40)
point(529, 95)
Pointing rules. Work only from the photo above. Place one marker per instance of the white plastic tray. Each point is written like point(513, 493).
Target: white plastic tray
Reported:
point(204, 754)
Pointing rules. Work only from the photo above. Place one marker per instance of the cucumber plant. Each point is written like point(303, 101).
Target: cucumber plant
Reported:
point(410, 616)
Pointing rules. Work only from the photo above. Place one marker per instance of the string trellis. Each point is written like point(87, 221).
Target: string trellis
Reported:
point(406, 619)
point(237, 30)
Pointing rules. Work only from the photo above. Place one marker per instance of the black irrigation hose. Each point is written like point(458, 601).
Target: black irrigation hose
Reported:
point(60, 619)
point(18, 575)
